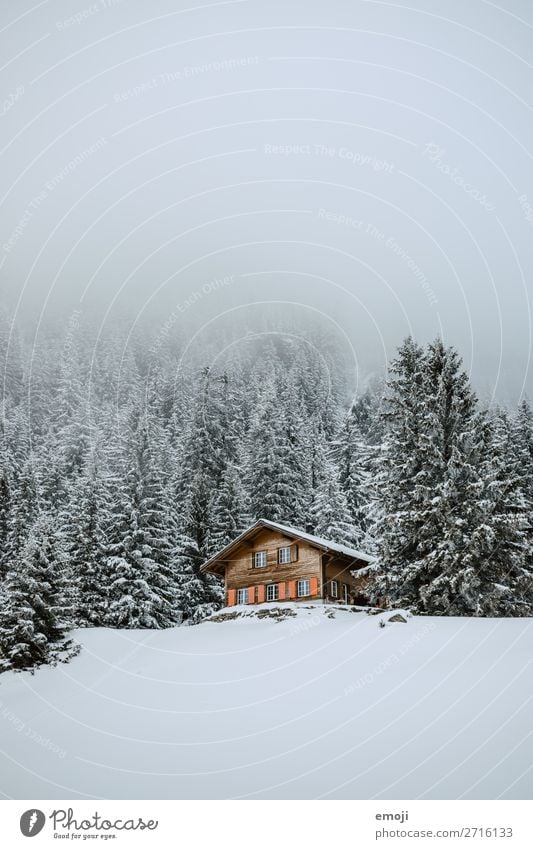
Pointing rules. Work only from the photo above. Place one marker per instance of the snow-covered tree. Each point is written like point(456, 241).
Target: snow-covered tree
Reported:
point(85, 520)
point(354, 457)
point(478, 562)
point(277, 461)
point(5, 510)
point(148, 457)
point(34, 613)
point(141, 584)
point(331, 518)
point(400, 464)
point(231, 511)
point(23, 507)
point(452, 523)
point(197, 593)
point(521, 448)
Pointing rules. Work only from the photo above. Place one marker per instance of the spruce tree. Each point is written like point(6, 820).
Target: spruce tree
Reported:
point(34, 612)
point(451, 514)
point(198, 594)
point(331, 518)
point(276, 460)
point(85, 521)
point(521, 445)
point(478, 561)
point(141, 584)
point(5, 511)
point(230, 512)
point(24, 505)
point(400, 464)
point(354, 458)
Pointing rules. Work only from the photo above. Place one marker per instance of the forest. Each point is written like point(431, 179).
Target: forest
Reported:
point(129, 456)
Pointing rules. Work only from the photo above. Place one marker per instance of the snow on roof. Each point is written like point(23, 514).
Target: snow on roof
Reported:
point(319, 541)
point(298, 534)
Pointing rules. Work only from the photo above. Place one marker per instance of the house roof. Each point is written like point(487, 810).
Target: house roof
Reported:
point(294, 533)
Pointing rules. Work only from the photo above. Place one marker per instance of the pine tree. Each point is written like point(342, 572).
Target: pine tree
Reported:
point(85, 522)
point(11, 359)
point(23, 508)
point(452, 526)
point(478, 562)
point(141, 585)
point(400, 464)
point(5, 509)
point(201, 467)
point(331, 518)
point(521, 445)
point(276, 462)
point(230, 512)
point(198, 594)
point(34, 611)
point(198, 466)
point(355, 461)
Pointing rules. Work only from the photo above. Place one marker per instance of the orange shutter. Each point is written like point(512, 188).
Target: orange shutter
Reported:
point(231, 597)
point(281, 590)
point(292, 589)
point(260, 593)
point(251, 595)
point(313, 586)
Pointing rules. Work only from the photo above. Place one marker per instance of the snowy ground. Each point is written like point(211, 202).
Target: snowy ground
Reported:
point(307, 707)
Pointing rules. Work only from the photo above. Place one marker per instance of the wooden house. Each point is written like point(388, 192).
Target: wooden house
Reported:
point(272, 562)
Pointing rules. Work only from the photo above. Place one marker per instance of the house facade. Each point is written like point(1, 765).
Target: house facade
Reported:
point(272, 562)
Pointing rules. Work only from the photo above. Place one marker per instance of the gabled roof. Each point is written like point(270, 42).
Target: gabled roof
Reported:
point(294, 533)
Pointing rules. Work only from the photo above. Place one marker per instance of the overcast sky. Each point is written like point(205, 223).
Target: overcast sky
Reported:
point(369, 160)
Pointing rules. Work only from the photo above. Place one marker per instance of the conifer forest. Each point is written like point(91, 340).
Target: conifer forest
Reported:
point(125, 463)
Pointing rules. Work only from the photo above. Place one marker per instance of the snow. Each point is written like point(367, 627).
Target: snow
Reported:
point(320, 541)
point(306, 707)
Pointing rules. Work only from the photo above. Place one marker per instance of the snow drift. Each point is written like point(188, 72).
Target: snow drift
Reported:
point(318, 703)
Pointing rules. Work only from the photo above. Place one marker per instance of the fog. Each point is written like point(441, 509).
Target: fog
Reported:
point(368, 162)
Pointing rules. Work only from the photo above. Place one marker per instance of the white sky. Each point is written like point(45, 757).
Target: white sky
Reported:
point(371, 160)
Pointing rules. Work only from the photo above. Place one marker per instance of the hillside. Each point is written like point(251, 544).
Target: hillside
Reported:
point(313, 705)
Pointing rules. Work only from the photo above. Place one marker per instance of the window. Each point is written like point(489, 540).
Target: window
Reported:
point(242, 596)
point(288, 554)
point(284, 554)
point(260, 559)
point(304, 587)
point(334, 589)
point(272, 592)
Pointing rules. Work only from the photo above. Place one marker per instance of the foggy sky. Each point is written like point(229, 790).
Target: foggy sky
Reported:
point(369, 160)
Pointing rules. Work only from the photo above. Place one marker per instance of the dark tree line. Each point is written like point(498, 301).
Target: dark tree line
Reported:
point(122, 470)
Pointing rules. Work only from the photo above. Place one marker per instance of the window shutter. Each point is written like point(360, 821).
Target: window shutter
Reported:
point(251, 595)
point(281, 590)
point(231, 598)
point(294, 552)
point(313, 584)
point(260, 593)
point(292, 589)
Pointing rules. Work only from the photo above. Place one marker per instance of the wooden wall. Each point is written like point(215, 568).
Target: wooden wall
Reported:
point(339, 569)
point(240, 571)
